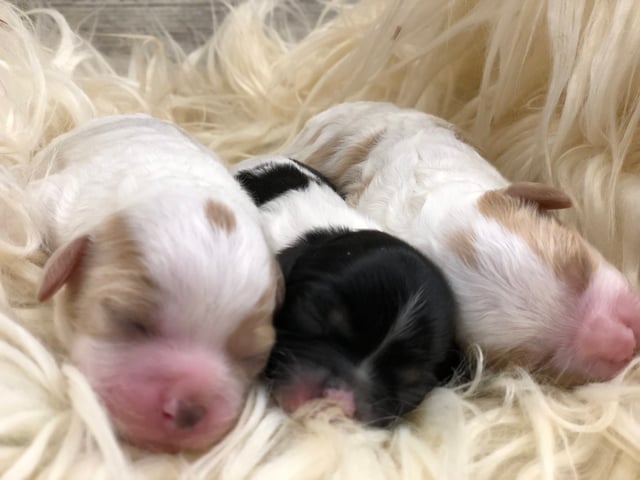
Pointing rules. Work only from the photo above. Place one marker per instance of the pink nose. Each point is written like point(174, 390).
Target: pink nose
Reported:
point(295, 396)
point(169, 396)
point(184, 414)
point(343, 398)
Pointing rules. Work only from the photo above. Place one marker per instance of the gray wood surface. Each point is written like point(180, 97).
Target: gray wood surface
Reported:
point(188, 22)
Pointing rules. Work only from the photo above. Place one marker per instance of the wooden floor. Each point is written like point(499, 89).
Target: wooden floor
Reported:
point(188, 22)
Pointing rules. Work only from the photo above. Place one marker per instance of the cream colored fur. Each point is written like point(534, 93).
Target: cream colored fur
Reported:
point(547, 89)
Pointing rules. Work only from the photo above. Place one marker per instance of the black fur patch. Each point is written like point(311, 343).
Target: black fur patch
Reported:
point(320, 178)
point(272, 180)
point(345, 293)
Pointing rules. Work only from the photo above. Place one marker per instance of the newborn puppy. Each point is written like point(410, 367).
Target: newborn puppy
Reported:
point(166, 283)
point(367, 320)
point(530, 290)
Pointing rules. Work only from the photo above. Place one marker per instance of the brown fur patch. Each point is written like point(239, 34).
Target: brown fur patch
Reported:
point(561, 248)
point(323, 153)
point(335, 159)
point(461, 243)
point(112, 293)
point(544, 196)
point(219, 215)
point(359, 151)
point(252, 340)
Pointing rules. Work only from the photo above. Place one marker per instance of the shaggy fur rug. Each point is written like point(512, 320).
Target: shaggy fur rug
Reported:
point(548, 89)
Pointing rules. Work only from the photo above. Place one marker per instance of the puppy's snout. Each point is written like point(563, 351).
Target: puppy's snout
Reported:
point(344, 398)
point(184, 414)
point(300, 393)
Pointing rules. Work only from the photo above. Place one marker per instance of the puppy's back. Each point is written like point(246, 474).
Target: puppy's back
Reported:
point(295, 199)
point(113, 162)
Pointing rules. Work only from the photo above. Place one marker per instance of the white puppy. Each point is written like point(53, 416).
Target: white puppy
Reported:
point(169, 284)
point(531, 291)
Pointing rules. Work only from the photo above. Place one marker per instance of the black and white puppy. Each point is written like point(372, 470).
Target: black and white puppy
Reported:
point(367, 320)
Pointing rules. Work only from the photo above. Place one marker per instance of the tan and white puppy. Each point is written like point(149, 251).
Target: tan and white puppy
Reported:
point(166, 284)
point(531, 291)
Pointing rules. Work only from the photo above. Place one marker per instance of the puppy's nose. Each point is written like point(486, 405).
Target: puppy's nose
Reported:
point(184, 414)
point(344, 398)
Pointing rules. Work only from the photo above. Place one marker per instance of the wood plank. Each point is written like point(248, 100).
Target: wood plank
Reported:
point(188, 22)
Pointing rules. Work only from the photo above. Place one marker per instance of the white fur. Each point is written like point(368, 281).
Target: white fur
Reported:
point(209, 274)
point(159, 179)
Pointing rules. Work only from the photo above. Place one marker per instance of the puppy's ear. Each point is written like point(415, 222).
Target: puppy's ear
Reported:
point(61, 265)
point(544, 196)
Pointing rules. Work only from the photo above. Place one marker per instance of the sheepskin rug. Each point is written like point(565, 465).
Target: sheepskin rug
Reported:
point(549, 90)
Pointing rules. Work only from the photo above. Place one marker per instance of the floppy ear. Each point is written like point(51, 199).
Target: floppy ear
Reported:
point(544, 196)
point(61, 265)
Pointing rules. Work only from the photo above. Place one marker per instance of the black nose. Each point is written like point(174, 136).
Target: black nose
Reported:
point(188, 415)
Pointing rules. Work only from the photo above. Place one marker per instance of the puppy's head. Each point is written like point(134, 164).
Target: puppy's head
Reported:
point(170, 309)
point(535, 292)
point(367, 321)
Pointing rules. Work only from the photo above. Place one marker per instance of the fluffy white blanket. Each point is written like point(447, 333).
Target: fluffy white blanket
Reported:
point(549, 89)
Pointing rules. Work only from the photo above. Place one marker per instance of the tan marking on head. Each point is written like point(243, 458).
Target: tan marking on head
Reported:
point(113, 291)
point(561, 248)
point(544, 196)
point(461, 243)
point(336, 160)
point(358, 152)
point(251, 342)
point(219, 215)
point(321, 155)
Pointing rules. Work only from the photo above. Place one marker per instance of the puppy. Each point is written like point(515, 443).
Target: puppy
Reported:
point(367, 320)
point(164, 284)
point(531, 291)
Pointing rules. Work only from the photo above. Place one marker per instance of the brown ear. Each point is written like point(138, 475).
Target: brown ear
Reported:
point(61, 265)
point(544, 196)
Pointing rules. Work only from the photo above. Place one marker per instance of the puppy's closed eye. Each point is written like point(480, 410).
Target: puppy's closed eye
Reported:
point(251, 343)
point(126, 322)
